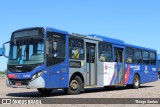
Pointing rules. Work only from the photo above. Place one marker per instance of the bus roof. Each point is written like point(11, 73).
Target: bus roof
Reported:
point(119, 42)
point(108, 39)
point(56, 30)
point(139, 47)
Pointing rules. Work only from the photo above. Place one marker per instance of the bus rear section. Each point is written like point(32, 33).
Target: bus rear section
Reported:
point(141, 62)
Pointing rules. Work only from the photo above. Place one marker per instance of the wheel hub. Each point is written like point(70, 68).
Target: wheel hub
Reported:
point(136, 81)
point(74, 84)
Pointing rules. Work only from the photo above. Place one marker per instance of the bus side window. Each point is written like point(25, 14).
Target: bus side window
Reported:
point(138, 56)
point(55, 48)
point(76, 48)
point(130, 55)
point(105, 52)
point(153, 58)
point(146, 57)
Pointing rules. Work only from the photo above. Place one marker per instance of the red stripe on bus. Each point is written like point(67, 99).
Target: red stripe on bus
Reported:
point(127, 74)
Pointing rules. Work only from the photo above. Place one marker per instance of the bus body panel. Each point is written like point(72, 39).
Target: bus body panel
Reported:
point(147, 73)
point(117, 77)
point(26, 77)
point(37, 83)
point(59, 74)
point(96, 74)
point(100, 74)
point(81, 71)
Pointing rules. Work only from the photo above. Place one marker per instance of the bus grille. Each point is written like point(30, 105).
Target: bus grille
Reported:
point(23, 81)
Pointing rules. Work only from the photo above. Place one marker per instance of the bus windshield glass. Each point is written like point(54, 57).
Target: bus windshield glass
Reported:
point(26, 51)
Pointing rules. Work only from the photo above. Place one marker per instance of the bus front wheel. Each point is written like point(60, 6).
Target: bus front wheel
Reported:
point(75, 86)
point(45, 91)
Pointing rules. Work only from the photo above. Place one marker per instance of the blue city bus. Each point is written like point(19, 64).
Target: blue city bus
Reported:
point(48, 58)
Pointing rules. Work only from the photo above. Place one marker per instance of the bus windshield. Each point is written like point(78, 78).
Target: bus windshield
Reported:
point(26, 51)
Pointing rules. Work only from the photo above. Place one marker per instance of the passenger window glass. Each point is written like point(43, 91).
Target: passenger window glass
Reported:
point(129, 55)
point(138, 56)
point(146, 57)
point(92, 54)
point(55, 48)
point(76, 48)
point(105, 52)
point(153, 58)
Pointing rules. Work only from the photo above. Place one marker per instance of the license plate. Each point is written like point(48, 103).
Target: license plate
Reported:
point(18, 83)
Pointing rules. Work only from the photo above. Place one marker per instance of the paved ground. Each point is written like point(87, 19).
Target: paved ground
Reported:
point(148, 90)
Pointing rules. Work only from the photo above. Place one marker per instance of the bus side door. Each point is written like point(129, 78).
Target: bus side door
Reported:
point(119, 74)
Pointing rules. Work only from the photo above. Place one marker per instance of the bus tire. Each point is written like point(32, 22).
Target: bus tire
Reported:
point(136, 82)
point(44, 91)
point(75, 86)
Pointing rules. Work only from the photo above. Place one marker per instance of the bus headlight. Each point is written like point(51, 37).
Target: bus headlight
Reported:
point(39, 74)
point(36, 75)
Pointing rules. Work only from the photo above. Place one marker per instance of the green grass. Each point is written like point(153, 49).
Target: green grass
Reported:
point(2, 73)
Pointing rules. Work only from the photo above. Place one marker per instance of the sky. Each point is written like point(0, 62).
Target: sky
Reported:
point(135, 22)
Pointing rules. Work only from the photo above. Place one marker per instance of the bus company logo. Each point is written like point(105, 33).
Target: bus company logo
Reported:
point(26, 76)
point(108, 67)
point(136, 68)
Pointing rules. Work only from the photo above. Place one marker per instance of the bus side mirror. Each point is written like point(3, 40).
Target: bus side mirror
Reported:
point(4, 49)
point(1, 51)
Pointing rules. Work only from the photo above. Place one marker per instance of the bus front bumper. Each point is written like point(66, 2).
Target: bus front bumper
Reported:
point(37, 83)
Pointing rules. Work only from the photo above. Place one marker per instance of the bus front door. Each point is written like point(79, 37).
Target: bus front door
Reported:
point(91, 64)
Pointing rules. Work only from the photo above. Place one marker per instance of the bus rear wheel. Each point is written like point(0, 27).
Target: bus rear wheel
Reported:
point(75, 86)
point(44, 91)
point(136, 82)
